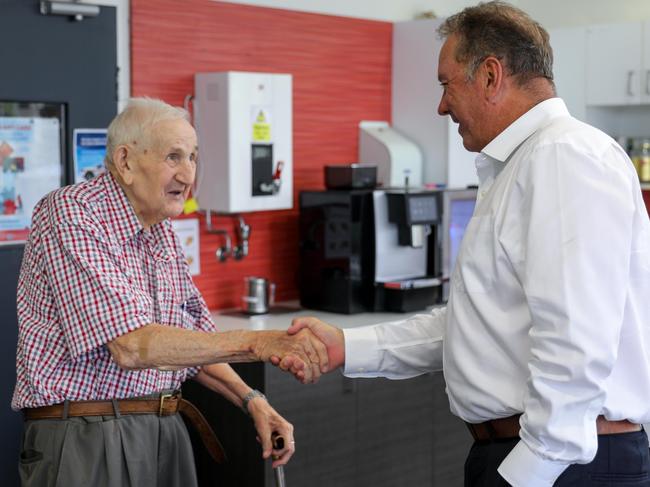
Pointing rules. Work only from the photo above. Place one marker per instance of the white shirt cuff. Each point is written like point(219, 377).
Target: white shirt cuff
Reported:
point(523, 468)
point(361, 352)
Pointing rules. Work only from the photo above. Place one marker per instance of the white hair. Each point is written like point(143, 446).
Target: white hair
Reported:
point(133, 124)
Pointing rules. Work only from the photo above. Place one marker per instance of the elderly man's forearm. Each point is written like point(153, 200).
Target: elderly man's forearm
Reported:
point(164, 347)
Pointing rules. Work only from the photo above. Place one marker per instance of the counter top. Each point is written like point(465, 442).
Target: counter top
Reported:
point(281, 315)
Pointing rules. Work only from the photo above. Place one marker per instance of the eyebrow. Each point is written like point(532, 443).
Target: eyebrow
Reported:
point(178, 148)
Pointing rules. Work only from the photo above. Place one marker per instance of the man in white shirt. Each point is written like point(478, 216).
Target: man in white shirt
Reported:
point(546, 334)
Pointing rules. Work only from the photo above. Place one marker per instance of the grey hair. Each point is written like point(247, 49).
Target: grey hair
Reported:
point(506, 32)
point(133, 124)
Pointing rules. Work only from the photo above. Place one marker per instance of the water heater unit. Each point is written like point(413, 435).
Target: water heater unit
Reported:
point(244, 125)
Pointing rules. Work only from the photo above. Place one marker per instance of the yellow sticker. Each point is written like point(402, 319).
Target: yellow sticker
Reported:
point(261, 126)
point(190, 206)
point(261, 132)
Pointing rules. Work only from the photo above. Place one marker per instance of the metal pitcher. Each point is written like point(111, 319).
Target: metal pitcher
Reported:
point(260, 295)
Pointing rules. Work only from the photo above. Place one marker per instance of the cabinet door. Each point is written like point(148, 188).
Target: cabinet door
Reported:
point(395, 432)
point(645, 72)
point(324, 418)
point(614, 64)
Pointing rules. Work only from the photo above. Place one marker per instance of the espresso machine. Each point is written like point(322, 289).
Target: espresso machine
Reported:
point(370, 250)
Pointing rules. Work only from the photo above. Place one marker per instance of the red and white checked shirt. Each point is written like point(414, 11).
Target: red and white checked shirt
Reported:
point(91, 273)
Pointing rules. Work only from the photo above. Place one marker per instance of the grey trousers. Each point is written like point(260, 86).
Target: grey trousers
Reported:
point(126, 451)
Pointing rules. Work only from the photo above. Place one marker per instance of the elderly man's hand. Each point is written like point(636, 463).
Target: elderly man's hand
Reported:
point(267, 422)
point(330, 336)
point(308, 354)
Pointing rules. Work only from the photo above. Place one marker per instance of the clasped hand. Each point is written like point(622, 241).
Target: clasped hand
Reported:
point(329, 342)
point(306, 354)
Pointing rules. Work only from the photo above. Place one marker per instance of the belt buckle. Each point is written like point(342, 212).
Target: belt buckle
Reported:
point(162, 402)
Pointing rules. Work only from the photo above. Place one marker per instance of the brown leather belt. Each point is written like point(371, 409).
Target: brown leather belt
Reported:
point(166, 405)
point(508, 428)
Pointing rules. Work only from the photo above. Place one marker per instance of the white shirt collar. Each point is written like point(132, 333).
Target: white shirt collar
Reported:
point(504, 144)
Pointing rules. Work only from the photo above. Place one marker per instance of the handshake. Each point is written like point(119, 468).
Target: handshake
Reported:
point(309, 348)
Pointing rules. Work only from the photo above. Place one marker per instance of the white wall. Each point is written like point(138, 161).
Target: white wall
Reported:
point(385, 10)
point(550, 13)
point(563, 13)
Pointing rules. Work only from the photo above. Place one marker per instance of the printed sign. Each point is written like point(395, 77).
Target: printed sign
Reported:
point(88, 151)
point(30, 157)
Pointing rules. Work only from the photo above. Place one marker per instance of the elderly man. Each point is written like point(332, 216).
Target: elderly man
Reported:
point(547, 329)
point(110, 323)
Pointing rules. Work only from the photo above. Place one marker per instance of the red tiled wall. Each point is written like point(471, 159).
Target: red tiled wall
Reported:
point(341, 71)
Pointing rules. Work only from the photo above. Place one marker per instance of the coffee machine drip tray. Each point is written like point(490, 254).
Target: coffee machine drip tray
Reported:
point(413, 283)
point(404, 296)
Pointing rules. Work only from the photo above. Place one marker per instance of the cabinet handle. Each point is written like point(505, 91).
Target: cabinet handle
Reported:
point(630, 74)
point(647, 82)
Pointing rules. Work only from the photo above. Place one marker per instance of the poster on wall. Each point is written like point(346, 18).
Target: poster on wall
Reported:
point(30, 157)
point(89, 150)
point(187, 230)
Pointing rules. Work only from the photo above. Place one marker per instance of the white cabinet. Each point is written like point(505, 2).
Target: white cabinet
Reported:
point(415, 97)
point(645, 65)
point(618, 64)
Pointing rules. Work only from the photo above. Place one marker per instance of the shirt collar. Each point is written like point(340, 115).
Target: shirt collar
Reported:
point(125, 223)
point(504, 144)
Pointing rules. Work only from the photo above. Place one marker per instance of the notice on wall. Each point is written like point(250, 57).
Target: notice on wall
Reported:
point(261, 123)
point(188, 233)
point(30, 157)
point(89, 150)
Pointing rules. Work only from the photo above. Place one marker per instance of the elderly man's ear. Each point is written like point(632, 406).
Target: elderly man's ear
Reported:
point(123, 163)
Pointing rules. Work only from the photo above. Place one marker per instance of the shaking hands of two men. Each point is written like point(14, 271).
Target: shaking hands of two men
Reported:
point(328, 350)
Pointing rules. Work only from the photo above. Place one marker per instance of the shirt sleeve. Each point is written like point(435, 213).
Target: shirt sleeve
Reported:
point(95, 298)
point(398, 349)
point(571, 254)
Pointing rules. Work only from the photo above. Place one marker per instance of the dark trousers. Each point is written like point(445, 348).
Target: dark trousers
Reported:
point(622, 460)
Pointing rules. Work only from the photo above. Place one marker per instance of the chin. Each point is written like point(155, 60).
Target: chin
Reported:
point(173, 211)
point(471, 145)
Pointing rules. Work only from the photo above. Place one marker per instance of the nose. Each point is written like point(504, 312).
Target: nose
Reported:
point(186, 172)
point(443, 109)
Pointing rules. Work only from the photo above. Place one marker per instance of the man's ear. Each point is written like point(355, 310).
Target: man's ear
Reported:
point(493, 72)
point(123, 161)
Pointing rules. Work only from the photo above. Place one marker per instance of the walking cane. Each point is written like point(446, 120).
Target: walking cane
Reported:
point(278, 444)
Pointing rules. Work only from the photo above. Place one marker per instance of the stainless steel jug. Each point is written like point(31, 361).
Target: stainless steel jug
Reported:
point(260, 295)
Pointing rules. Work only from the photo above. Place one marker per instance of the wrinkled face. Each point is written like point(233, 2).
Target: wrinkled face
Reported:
point(163, 171)
point(461, 98)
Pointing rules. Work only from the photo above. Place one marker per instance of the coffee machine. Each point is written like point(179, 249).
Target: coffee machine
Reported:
point(370, 250)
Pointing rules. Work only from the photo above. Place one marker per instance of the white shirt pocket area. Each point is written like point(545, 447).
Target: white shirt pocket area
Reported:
point(475, 268)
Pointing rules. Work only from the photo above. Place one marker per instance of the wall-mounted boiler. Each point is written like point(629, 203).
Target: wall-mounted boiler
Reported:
point(244, 126)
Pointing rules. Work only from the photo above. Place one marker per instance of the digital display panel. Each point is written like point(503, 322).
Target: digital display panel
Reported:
point(261, 151)
point(423, 209)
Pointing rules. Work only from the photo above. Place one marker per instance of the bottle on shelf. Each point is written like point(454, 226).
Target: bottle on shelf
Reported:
point(640, 156)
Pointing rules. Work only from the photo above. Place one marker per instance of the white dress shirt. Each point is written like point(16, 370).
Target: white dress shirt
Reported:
point(549, 310)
